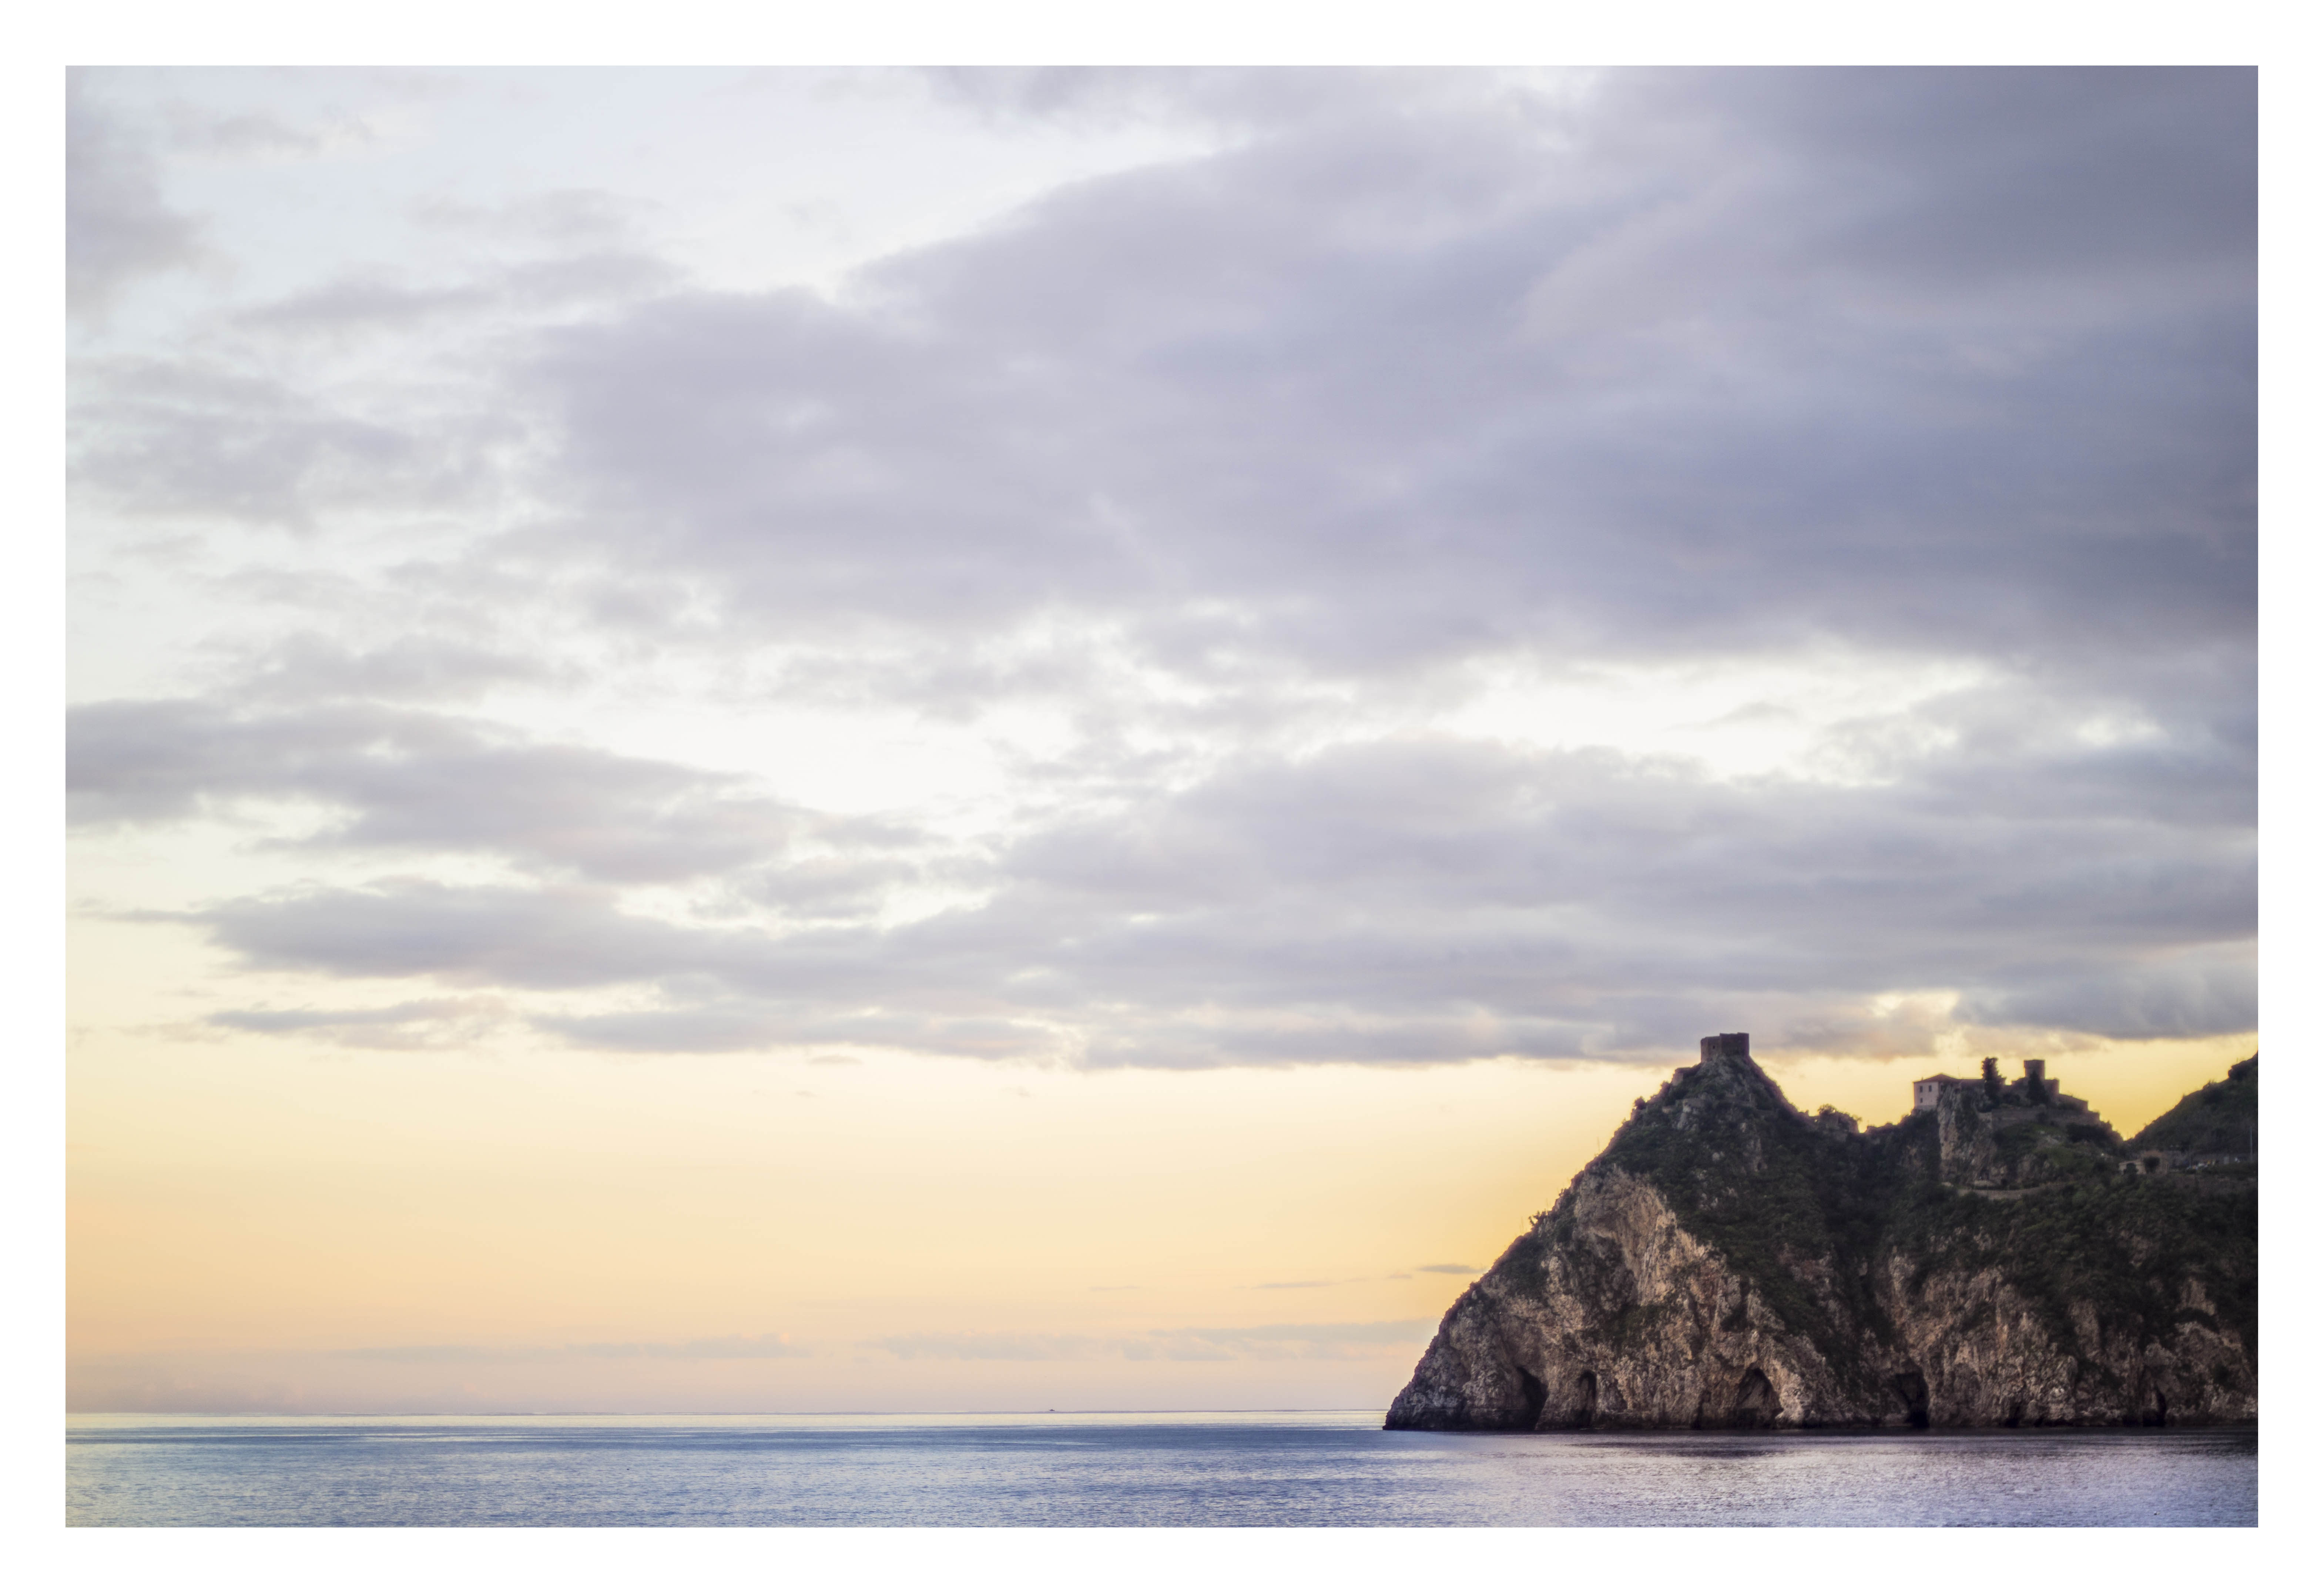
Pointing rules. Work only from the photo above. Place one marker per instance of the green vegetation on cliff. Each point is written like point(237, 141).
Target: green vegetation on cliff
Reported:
point(1810, 1213)
point(2222, 1118)
point(2124, 1248)
point(1784, 1192)
point(1728, 1261)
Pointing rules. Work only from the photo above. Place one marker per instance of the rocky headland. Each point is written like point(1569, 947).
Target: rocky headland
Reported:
point(1999, 1258)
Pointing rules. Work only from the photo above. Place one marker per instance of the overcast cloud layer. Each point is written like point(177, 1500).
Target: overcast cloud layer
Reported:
point(1388, 568)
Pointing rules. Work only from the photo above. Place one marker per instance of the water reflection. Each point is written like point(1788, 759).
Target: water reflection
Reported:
point(1255, 1469)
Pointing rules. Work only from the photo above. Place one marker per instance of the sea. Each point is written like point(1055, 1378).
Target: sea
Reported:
point(1332, 1468)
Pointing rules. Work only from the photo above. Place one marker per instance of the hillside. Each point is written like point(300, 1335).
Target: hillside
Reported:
point(2222, 1118)
point(1730, 1260)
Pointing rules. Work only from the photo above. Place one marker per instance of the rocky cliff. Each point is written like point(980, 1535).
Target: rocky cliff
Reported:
point(1728, 1261)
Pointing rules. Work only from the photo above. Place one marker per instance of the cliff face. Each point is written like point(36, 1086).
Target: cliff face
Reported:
point(1728, 1262)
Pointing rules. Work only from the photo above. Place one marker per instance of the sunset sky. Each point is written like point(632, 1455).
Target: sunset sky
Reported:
point(892, 740)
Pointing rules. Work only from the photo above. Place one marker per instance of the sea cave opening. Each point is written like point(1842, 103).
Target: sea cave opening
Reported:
point(1914, 1389)
point(1754, 1401)
point(1536, 1394)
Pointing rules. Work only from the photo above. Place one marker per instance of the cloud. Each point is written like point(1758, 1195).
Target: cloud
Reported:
point(252, 135)
point(563, 218)
point(729, 1347)
point(568, 937)
point(1279, 1341)
point(1763, 355)
point(1417, 901)
point(403, 1026)
point(118, 227)
point(198, 436)
point(410, 668)
point(1236, 100)
point(1455, 1268)
point(372, 304)
point(359, 303)
point(425, 783)
point(1248, 478)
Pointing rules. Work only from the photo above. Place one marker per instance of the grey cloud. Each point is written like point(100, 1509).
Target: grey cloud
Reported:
point(1228, 99)
point(2181, 993)
point(1454, 1268)
point(697, 1030)
point(733, 1346)
point(541, 939)
point(420, 783)
point(793, 1012)
point(829, 888)
point(367, 303)
point(118, 225)
point(359, 305)
point(404, 1026)
point(589, 277)
point(1048, 92)
point(201, 438)
point(410, 668)
point(995, 1347)
point(1419, 370)
point(1733, 359)
point(814, 988)
point(567, 219)
point(1396, 1332)
point(1415, 902)
point(249, 136)
point(1281, 1341)
point(1393, 831)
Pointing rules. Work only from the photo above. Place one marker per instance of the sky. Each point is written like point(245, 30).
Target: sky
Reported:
point(992, 739)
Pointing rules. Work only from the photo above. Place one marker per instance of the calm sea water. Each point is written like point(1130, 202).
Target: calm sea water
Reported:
point(1304, 1468)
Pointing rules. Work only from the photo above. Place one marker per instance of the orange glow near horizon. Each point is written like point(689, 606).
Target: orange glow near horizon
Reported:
point(272, 1227)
